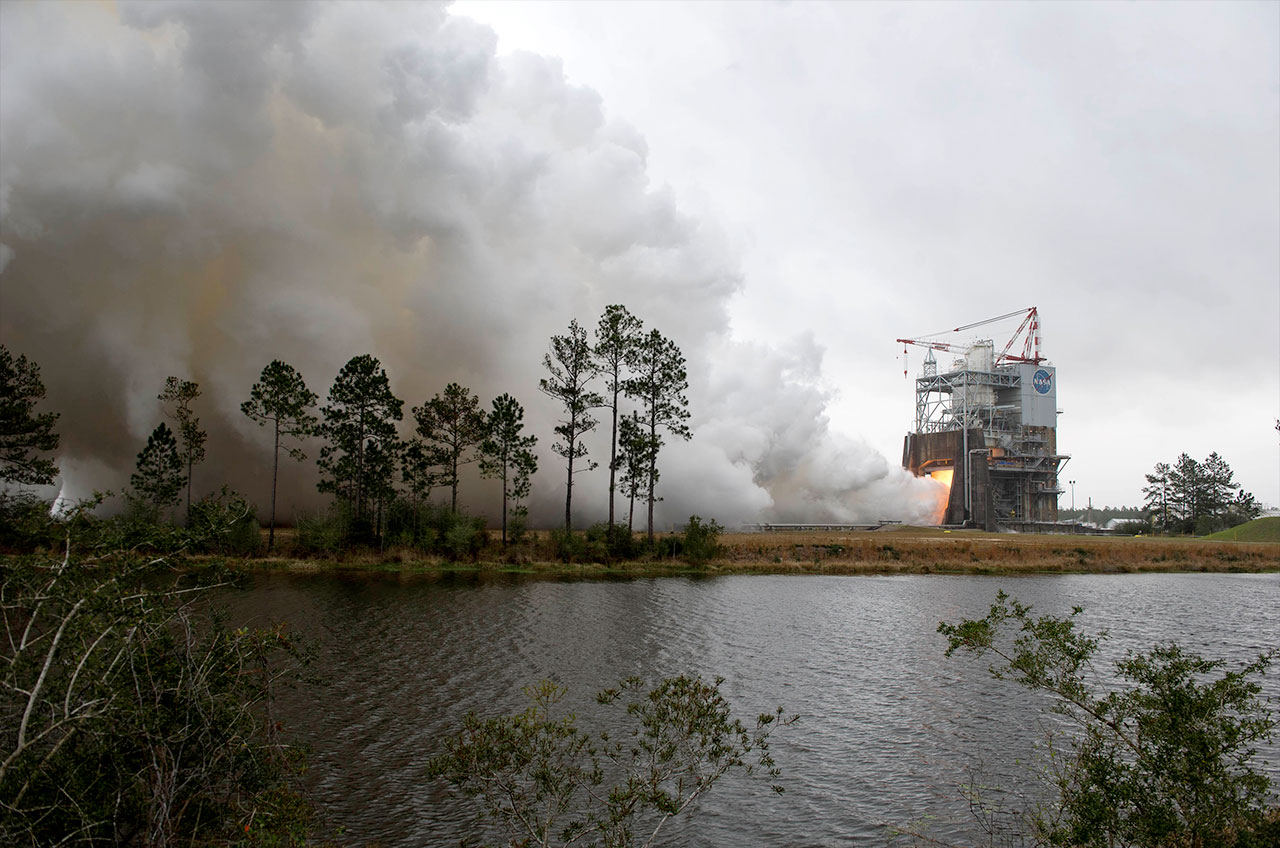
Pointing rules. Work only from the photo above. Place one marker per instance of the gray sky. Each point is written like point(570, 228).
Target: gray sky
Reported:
point(783, 189)
point(891, 170)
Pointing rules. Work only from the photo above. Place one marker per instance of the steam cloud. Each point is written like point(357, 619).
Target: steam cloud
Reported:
point(197, 189)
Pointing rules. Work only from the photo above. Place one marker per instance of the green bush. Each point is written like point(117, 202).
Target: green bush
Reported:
point(544, 780)
point(138, 717)
point(668, 547)
point(622, 543)
point(701, 542)
point(517, 525)
point(568, 546)
point(1207, 524)
point(464, 537)
point(1165, 757)
point(26, 524)
point(610, 543)
point(224, 523)
point(413, 525)
point(139, 527)
point(1132, 528)
point(325, 533)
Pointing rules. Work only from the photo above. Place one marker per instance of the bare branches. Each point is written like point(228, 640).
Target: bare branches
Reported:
point(130, 712)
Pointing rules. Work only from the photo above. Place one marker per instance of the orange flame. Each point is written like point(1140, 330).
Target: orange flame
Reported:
point(943, 476)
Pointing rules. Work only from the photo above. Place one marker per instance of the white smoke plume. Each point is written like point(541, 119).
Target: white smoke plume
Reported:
point(199, 188)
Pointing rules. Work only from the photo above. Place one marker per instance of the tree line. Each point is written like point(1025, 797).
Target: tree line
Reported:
point(1187, 496)
point(365, 463)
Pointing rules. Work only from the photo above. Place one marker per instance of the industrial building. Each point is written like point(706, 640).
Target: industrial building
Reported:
point(987, 425)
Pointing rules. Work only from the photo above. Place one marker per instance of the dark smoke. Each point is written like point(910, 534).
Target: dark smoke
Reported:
point(197, 189)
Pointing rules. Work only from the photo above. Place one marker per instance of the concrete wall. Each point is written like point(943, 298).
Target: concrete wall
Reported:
point(925, 452)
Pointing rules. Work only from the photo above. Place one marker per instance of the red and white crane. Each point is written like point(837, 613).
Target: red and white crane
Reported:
point(1028, 331)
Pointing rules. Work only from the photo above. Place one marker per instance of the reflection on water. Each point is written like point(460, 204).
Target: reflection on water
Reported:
point(890, 727)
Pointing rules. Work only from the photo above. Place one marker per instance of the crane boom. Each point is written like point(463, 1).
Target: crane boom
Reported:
point(1030, 325)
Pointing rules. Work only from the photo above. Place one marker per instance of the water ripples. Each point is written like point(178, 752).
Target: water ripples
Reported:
point(890, 728)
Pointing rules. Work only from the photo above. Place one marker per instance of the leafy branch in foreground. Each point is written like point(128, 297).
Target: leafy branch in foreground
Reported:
point(132, 716)
point(1168, 757)
point(546, 782)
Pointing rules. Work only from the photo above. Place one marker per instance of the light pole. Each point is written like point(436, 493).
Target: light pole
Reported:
point(1073, 494)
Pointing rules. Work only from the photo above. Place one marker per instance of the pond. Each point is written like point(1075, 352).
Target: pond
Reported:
point(890, 728)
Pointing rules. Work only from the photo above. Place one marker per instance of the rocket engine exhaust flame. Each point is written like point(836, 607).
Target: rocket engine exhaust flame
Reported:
point(942, 476)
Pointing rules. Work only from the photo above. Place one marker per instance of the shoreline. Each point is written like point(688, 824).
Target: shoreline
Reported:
point(872, 553)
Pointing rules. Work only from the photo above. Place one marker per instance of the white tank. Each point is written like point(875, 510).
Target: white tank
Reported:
point(981, 356)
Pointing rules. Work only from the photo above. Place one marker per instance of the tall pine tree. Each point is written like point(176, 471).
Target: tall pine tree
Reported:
point(359, 460)
point(282, 399)
point(570, 367)
point(24, 434)
point(450, 425)
point(616, 337)
point(181, 393)
point(659, 385)
point(507, 454)
point(159, 480)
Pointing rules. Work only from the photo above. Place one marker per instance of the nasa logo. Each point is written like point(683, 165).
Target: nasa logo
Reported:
point(1043, 381)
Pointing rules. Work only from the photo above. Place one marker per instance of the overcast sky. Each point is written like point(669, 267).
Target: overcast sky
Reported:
point(895, 169)
point(783, 189)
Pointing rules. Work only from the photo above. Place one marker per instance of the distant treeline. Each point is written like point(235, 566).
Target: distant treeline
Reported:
point(1185, 497)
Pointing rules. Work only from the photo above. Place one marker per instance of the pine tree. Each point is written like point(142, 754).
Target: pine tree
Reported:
point(1184, 493)
point(452, 423)
point(282, 398)
point(616, 337)
point(23, 433)
point(181, 393)
point(1157, 492)
point(1218, 485)
point(360, 458)
point(420, 469)
point(159, 479)
point(508, 455)
point(1197, 497)
point(636, 459)
point(659, 384)
point(570, 366)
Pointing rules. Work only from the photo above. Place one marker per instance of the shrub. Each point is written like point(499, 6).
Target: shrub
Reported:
point(608, 543)
point(26, 524)
point(1132, 528)
point(413, 524)
point(224, 523)
point(1165, 758)
point(517, 525)
point(138, 717)
point(568, 546)
point(547, 782)
point(139, 527)
point(1207, 524)
point(701, 542)
point(324, 533)
point(621, 543)
point(668, 547)
point(464, 536)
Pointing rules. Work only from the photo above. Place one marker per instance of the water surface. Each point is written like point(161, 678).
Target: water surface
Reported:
point(890, 728)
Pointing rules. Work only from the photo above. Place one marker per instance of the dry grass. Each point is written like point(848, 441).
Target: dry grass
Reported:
point(899, 550)
point(923, 550)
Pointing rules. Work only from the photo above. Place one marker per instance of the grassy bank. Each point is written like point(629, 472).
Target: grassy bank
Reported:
point(1258, 530)
point(901, 550)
